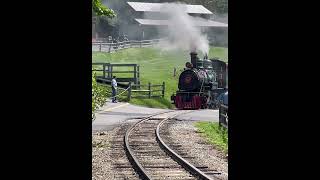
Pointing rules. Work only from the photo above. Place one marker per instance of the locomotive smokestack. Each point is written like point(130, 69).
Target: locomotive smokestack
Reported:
point(194, 59)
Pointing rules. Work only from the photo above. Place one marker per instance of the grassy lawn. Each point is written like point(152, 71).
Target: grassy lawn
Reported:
point(156, 66)
point(215, 135)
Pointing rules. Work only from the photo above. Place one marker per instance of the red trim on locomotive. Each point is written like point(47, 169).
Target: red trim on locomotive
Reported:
point(195, 103)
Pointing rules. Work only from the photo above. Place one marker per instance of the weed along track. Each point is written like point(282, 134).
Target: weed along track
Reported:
point(152, 158)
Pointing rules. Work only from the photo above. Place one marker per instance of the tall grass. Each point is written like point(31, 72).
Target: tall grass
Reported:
point(218, 136)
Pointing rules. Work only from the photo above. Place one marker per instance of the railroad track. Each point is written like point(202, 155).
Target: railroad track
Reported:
point(152, 158)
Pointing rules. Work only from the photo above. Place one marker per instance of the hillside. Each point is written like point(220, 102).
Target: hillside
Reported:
point(155, 67)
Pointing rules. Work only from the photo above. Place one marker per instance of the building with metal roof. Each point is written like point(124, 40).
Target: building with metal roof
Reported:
point(156, 7)
point(193, 10)
point(152, 18)
point(208, 23)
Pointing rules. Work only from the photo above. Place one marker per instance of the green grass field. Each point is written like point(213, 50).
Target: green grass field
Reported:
point(215, 135)
point(156, 66)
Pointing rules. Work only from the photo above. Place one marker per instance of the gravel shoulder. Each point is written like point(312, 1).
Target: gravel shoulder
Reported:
point(101, 159)
point(108, 156)
point(185, 133)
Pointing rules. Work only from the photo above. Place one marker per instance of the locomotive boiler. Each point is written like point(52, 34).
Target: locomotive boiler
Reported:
point(202, 81)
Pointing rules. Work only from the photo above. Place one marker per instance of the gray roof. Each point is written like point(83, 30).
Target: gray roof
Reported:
point(155, 7)
point(208, 23)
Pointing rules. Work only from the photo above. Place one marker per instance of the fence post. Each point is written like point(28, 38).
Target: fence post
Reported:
point(222, 116)
point(135, 73)
point(163, 88)
point(100, 47)
point(219, 116)
point(111, 70)
point(104, 70)
point(108, 70)
point(149, 88)
point(138, 74)
point(129, 92)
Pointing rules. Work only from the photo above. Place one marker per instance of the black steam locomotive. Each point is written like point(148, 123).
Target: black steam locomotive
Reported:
point(202, 81)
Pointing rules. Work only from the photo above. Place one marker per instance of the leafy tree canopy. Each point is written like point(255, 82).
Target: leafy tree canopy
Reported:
point(102, 10)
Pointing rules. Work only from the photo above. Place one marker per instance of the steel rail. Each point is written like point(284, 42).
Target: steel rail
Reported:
point(192, 169)
point(134, 161)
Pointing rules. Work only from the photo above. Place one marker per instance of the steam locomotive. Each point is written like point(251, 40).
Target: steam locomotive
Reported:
point(201, 82)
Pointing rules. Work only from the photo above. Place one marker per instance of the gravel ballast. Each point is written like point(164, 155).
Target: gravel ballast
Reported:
point(108, 153)
point(185, 134)
point(108, 156)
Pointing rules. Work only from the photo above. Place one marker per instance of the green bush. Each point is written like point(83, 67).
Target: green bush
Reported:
point(98, 95)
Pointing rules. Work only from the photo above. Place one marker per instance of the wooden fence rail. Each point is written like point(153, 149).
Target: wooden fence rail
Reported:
point(105, 46)
point(150, 91)
point(134, 91)
point(109, 70)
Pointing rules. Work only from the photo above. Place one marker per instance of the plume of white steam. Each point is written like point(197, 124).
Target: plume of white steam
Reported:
point(181, 31)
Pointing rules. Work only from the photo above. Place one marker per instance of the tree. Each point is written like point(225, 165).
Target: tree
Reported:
point(102, 10)
point(98, 92)
point(98, 95)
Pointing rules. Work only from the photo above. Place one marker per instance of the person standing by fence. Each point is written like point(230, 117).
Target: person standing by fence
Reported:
point(114, 89)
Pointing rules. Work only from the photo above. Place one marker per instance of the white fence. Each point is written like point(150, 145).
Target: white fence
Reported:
point(104, 46)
